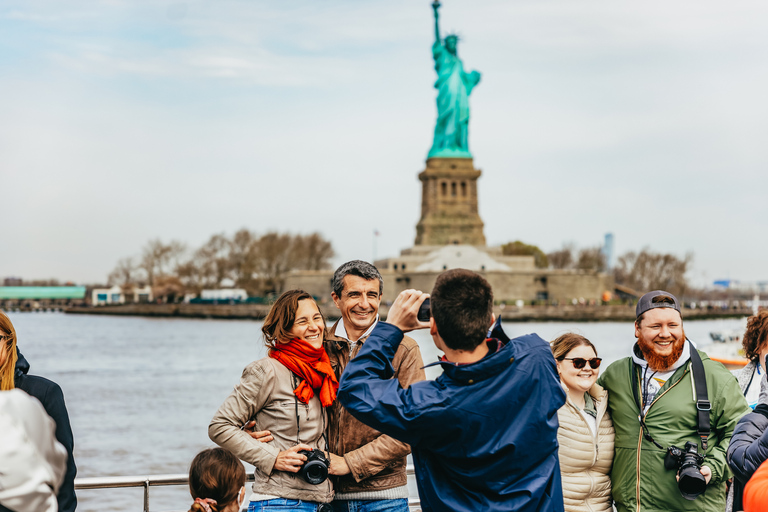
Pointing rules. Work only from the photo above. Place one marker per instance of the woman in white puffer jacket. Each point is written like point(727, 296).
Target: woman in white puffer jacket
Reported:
point(586, 431)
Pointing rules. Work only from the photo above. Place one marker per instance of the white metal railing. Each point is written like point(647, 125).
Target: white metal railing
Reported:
point(116, 482)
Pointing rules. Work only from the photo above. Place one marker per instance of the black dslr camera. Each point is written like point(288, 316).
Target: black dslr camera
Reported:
point(688, 463)
point(315, 469)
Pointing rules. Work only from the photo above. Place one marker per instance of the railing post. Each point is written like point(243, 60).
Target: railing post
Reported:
point(146, 495)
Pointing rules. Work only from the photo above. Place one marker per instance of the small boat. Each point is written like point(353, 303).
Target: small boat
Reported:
point(726, 348)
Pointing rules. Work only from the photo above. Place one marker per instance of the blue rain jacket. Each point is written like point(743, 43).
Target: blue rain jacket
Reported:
point(483, 435)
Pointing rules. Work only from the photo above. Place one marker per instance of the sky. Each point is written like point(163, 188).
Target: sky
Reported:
point(125, 121)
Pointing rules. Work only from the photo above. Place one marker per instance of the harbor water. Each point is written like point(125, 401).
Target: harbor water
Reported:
point(141, 391)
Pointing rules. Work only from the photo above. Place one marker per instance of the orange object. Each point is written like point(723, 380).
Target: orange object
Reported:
point(756, 491)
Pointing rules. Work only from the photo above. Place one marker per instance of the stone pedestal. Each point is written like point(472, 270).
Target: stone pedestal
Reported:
point(449, 203)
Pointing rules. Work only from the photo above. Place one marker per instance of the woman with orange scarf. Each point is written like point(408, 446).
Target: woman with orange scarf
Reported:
point(286, 394)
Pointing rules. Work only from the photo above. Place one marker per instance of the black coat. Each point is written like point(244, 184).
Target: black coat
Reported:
point(50, 395)
point(748, 449)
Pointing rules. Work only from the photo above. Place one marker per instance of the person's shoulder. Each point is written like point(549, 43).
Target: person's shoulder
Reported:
point(265, 365)
point(39, 387)
point(408, 343)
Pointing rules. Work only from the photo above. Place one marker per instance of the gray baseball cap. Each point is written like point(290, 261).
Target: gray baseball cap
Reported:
point(647, 302)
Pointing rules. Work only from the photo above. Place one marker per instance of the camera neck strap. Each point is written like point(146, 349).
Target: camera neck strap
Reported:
point(703, 406)
point(298, 424)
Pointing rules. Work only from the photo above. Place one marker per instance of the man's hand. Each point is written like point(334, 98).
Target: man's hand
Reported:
point(403, 312)
point(338, 465)
point(290, 460)
point(705, 472)
point(264, 436)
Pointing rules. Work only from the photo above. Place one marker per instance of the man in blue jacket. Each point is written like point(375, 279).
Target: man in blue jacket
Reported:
point(483, 434)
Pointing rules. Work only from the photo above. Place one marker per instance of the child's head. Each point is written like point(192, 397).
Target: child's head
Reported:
point(216, 480)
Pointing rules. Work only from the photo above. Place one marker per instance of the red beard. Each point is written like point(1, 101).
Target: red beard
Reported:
point(657, 362)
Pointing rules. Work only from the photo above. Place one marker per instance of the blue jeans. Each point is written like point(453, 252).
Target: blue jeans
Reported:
point(283, 505)
point(399, 505)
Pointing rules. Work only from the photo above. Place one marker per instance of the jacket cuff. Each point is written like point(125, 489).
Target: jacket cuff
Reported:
point(356, 466)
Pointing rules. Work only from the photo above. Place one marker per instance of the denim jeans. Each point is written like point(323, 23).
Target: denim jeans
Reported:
point(283, 505)
point(399, 505)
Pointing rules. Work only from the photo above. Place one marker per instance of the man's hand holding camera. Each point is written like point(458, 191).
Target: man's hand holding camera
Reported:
point(404, 311)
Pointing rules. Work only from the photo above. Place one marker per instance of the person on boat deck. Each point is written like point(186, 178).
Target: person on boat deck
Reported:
point(286, 393)
point(653, 406)
point(484, 433)
point(216, 481)
point(586, 433)
point(749, 444)
point(14, 370)
point(372, 475)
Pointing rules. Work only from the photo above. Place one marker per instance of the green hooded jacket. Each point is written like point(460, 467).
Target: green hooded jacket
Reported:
point(639, 480)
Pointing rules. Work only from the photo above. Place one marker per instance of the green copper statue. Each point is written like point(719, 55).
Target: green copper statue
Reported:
point(454, 86)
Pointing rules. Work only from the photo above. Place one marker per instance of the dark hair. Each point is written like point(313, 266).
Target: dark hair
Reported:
point(462, 306)
point(281, 316)
point(567, 342)
point(664, 299)
point(7, 345)
point(357, 268)
point(756, 335)
point(215, 474)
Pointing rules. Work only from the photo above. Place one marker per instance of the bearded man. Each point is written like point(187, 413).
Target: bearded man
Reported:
point(653, 402)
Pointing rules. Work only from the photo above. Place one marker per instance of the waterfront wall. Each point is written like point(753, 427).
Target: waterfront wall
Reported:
point(567, 313)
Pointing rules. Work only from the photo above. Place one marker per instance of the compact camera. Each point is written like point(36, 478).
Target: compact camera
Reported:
point(315, 468)
point(688, 463)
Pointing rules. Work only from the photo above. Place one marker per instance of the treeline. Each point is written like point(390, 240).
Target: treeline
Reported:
point(256, 263)
point(642, 270)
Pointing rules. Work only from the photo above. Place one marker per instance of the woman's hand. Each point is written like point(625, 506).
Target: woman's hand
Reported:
point(290, 460)
point(339, 466)
point(264, 436)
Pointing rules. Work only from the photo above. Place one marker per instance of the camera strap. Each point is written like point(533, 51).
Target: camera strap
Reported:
point(298, 425)
point(703, 406)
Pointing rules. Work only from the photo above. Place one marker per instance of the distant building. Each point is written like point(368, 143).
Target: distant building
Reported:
point(742, 286)
point(12, 281)
point(34, 297)
point(224, 294)
point(607, 250)
point(116, 295)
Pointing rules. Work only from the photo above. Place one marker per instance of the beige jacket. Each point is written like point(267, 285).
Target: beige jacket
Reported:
point(265, 394)
point(585, 461)
point(376, 461)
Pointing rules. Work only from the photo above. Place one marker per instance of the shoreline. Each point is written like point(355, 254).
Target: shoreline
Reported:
point(566, 313)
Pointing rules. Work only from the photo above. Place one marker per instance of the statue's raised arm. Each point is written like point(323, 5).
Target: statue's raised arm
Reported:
point(435, 7)
point(454, 86)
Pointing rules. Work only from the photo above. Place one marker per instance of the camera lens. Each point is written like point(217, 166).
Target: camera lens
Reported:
point(315, 472)
point(692, 482)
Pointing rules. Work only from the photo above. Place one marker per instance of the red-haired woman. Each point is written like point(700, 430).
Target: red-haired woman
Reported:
point(285, 393)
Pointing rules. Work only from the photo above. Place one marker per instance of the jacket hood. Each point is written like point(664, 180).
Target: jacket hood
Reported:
point(22, 365)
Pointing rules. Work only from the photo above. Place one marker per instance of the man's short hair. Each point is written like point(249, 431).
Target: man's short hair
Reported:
point(656, 299)
point(357, 268)
point(462, 306)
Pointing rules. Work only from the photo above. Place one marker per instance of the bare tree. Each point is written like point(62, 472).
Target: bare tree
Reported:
point(159, 259)
point(275, 259)
point(591, 258)
point(243, 259)
point(562, 258)
point(313, 252)
point(646, 270)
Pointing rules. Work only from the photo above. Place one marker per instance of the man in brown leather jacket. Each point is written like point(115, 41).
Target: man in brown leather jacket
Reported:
point(370, 465)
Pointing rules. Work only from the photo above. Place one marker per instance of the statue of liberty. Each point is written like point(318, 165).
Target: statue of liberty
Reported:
point(454, 86)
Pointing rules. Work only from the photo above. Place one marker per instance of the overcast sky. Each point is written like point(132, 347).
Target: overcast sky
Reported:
point(124, 121)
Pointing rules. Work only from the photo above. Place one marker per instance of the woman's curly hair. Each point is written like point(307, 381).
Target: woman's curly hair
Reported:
point(756, 335)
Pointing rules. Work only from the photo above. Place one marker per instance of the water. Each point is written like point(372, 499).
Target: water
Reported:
point(141, 391)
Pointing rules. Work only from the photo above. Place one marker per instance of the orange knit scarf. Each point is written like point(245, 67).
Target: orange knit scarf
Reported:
point(312, 366)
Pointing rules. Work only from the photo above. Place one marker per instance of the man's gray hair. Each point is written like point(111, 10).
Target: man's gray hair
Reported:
point(357, 268)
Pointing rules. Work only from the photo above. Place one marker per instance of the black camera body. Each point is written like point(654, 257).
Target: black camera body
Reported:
point(688, 463)
point(425, 313)
point(315, 468)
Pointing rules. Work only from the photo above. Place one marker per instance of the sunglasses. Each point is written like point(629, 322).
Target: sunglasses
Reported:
point(580, 362)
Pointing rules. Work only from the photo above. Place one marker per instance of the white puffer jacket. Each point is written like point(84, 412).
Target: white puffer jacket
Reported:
point(585, 461)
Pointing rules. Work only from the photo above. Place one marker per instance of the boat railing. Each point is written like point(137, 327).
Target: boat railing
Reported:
point(116, 482)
